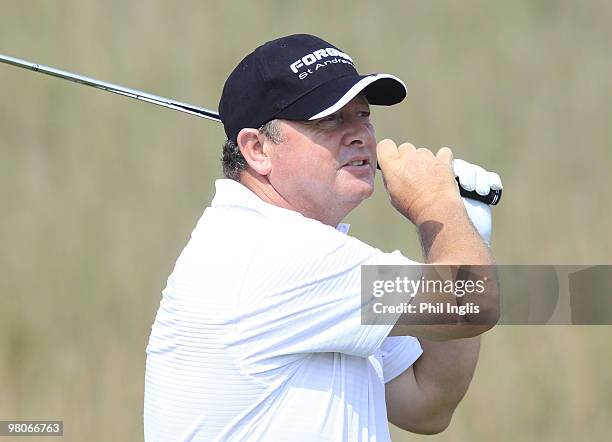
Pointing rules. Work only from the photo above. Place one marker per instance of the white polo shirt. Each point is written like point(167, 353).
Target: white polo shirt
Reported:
point(258, 334)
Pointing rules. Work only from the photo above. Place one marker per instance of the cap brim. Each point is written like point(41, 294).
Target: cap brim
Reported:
point(379, 89)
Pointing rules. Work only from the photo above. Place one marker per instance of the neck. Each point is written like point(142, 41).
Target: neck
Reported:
point(261, 186)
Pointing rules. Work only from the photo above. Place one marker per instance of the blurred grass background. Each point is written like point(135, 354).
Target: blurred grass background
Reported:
point(99, 193)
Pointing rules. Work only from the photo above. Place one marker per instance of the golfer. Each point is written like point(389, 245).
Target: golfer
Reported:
point(258, 334)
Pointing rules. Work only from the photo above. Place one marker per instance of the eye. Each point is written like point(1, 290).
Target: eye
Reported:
point(329, 121)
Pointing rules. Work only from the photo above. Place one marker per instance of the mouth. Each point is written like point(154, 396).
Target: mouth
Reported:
point(357, 163)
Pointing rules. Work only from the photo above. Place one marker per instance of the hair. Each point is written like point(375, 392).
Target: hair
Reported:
point(233, 161)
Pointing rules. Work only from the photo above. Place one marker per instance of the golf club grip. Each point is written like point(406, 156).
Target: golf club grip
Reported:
point(492, 198)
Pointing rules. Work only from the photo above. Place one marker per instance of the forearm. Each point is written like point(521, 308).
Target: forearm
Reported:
point(449, 238)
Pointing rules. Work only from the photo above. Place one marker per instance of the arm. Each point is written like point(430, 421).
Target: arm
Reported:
point(423, 398)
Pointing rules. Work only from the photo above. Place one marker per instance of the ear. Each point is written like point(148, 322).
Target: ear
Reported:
point(251, 144)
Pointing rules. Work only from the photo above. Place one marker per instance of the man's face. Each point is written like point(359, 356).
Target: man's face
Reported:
point(326, 167)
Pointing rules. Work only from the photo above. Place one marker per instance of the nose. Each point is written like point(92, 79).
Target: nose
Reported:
point(359, 133)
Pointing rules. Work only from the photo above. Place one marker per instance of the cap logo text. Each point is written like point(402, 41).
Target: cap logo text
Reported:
point(313, 57)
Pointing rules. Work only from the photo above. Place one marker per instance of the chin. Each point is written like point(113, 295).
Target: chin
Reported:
point(362, 192)
point(354, 189)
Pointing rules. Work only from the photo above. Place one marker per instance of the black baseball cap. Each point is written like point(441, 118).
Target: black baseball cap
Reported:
point(299, 77)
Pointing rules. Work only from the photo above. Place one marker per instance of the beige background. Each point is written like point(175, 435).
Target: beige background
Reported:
point(99, 193)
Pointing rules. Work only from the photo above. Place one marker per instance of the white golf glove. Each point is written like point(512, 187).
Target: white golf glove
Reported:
point(473, 177)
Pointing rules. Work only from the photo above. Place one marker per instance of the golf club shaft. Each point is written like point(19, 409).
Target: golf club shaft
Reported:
point(492, 198)
point(121, 90)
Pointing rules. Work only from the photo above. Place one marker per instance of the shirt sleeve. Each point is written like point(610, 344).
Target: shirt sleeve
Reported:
point(303, 295)
point(397, 354)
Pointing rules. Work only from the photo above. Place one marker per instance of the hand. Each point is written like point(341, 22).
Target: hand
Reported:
point(417, 181)
point(473, 177)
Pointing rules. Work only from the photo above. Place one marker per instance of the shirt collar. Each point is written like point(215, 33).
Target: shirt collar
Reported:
point(232, 193)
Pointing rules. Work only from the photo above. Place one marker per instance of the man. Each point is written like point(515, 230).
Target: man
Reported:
point(258, 336)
